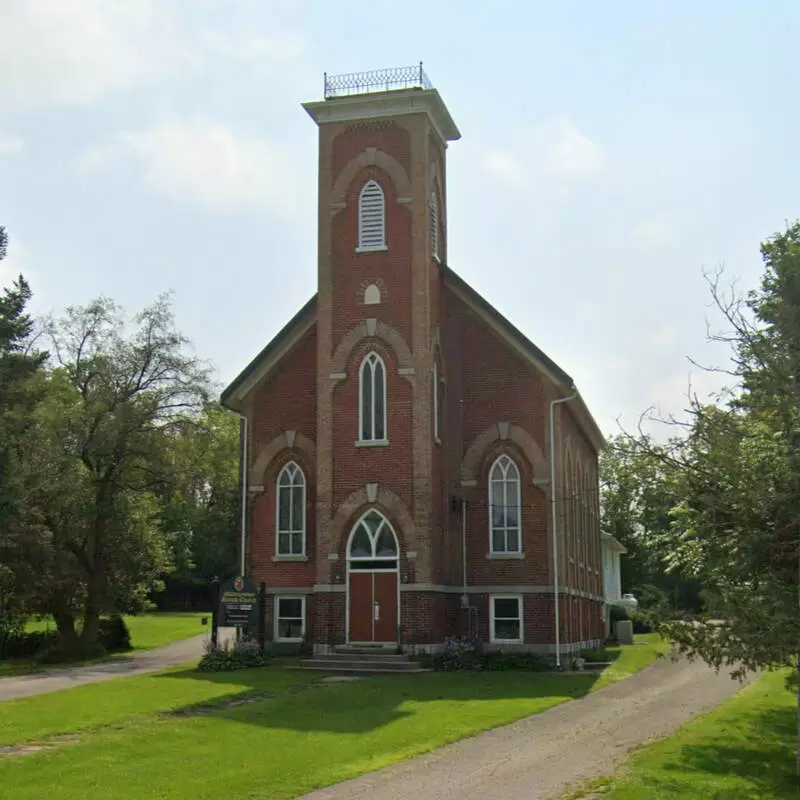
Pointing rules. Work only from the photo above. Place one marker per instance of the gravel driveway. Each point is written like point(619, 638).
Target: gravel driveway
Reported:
point(539, 757)
point(54, 680)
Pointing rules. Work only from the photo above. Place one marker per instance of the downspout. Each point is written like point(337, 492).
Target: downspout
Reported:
point(464, 596)
point(244, 476)
point(553, 498)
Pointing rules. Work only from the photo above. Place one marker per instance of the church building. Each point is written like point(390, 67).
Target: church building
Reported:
point(417, 468)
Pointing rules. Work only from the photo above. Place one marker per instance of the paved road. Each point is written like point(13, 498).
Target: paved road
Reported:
point(171, 655)
point(538, 758)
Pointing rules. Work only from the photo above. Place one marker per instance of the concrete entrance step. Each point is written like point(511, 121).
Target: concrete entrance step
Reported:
point(376, 665)
point(361, 669)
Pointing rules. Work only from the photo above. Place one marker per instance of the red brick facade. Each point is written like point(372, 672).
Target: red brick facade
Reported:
point(430, 478)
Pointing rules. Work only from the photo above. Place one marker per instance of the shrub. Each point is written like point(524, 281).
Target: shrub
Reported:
point(464, 655)
point(114, 635)
point(61, 653)
point(245, 654)
point(25, 645)
point(640, 623)
point(618, 614)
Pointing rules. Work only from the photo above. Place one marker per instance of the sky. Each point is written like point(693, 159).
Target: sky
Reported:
point(611, 153)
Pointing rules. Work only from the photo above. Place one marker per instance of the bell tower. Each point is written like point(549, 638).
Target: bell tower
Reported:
point(382, 238)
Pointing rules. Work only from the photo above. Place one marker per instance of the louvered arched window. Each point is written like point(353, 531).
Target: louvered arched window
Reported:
point(372, 399)
point(434, 216)
point(291, 512)
point(371, 218)
point(505, 507)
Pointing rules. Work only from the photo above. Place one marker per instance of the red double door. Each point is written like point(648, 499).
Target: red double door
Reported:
point(373, 607)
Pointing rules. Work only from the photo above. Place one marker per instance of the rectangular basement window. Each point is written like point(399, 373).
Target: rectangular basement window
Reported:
point(506, 618)
point(290, 619)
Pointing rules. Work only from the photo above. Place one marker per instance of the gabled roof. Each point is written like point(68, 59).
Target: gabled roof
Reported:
point(301, 323)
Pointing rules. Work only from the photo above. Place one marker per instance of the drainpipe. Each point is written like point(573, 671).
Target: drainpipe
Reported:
point(244, 493)
point(556, 587)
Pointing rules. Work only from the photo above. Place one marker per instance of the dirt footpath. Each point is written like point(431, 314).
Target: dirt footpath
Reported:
point(539, 757)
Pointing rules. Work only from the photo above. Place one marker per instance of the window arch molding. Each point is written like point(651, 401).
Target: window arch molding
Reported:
point(505, 506)
point(290, 511)
point(372, 399)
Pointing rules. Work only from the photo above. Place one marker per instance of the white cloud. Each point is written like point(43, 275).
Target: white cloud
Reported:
point(567, 153)
point(204, 163)
point(506, 166)
point(10, 145)
point(76, 51)
point(557, 152)
point(248, 46)
point(653, 232)
point(663, 338)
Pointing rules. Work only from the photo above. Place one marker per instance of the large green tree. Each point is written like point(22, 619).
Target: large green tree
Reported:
point(20, 391)
point(98, 459)
point(736, 528)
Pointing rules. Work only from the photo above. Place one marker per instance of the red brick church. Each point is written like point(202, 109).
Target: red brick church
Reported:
point(402, 435)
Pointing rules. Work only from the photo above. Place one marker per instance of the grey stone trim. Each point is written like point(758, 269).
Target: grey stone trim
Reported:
point(281, 590)
point(330, 588)
point(338, 376)
point(289, 559)
point(505, 556)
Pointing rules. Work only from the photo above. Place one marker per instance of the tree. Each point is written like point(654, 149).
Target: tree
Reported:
point(639, 491)
point(737, 526)
point(20, 391)
point(89, 542)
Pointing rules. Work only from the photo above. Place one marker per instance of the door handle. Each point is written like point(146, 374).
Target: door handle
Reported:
point(377, 611)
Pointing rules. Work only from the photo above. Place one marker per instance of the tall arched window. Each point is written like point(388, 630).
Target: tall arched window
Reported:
point(434, 216)
point(372, 399)
point(291, 511)
point(371, 218)
point(504, 507)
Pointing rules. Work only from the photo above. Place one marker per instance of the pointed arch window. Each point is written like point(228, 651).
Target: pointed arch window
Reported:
point(373, 543)
point(434, 216)
point(372, 399)
point(371, 218)
point(505, 507)
point(291, 511)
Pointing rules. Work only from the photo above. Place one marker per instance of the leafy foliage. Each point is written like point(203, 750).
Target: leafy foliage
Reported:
point(244, 654)
point(461, 655)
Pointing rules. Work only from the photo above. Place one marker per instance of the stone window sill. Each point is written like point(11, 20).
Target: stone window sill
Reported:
point(505, 556)
point(382, 249)
point(290, 558)
point(372, 443)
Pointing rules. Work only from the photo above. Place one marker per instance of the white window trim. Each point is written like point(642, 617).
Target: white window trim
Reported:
point(278, 598)
point(519, 553)
point(361, 442)
point(375, 246)
point(520, 606)
point(290, 556)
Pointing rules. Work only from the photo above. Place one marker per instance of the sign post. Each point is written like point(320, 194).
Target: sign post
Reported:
point(238, 604)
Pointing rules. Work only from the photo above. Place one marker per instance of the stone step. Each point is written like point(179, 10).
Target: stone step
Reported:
point(362, 669)
point(351, 655)
point(353, 663)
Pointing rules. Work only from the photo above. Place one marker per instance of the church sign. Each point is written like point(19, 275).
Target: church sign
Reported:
point(238, 604)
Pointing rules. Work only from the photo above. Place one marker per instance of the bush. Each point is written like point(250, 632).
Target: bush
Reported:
point(25, 645)
point(463, 655)
point(618, 614)
point(641, 624)
point(245, 654)
point(114, 635)
point(61, 653)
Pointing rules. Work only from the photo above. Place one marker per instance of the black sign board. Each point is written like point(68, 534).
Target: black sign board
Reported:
point(238, 604)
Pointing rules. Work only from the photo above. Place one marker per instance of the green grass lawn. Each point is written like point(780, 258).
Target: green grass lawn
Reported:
point(630, 659)
point(148, 631)
point(299, 735)
point(745, 750)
